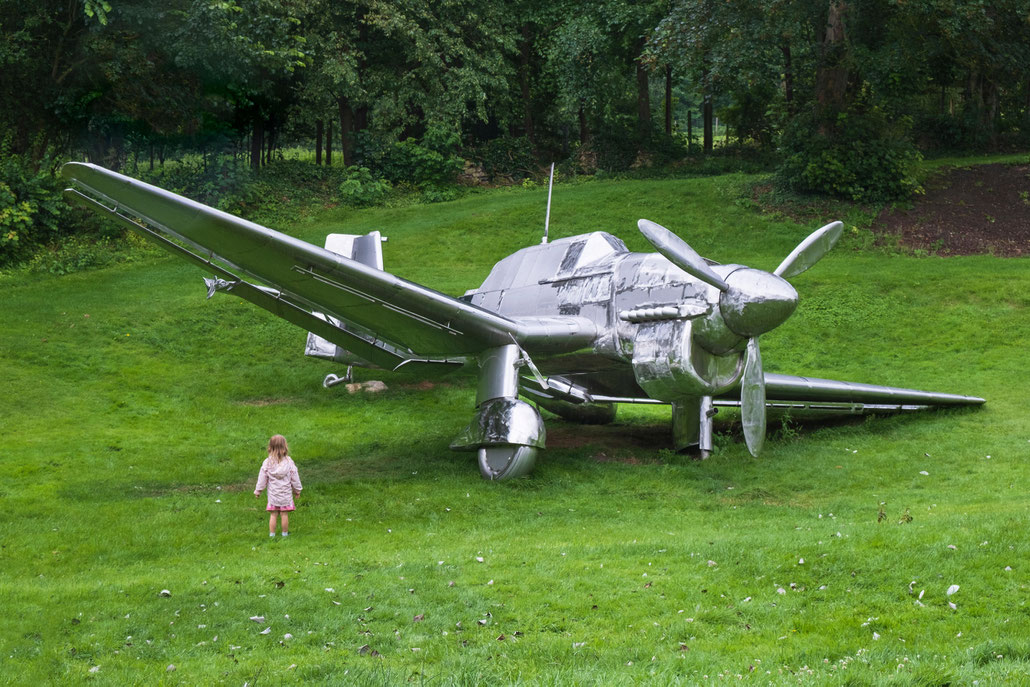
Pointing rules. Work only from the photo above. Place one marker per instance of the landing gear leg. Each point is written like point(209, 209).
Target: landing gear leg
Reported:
point(692, 425)
point(333, 380)
point(505, 432)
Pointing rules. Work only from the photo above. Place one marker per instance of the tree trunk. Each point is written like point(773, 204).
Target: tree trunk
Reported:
point(271, 146)
point(329, 143)
point(524, 58)
point(257, 141)
point(319, 125)
point(584, 130)
point(690, 129)
point(643, 97)
point(831, 78)
point(991, 116)
point(668, 100)
point(346, 125)
point(788, 77)
point(706, 116)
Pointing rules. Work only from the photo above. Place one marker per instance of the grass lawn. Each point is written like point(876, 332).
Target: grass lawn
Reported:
point(136, 414)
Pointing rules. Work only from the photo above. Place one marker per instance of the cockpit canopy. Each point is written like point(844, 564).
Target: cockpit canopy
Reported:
point(553, 261)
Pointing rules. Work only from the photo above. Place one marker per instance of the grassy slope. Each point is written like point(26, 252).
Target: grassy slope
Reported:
point(136, 413)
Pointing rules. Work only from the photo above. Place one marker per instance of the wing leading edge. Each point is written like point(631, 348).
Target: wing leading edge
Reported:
point(386, 320)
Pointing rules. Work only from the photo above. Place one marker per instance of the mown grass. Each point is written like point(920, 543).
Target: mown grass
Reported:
point(136, 413)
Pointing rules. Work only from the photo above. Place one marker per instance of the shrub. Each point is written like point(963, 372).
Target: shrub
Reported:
point(862, 158)
point(508, 157)
point(214, 180)
point(431, 161)
point(30, 206)
point(361, 189)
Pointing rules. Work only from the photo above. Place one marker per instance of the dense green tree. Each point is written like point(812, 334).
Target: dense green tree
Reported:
point(843, 89)
point(399, 67)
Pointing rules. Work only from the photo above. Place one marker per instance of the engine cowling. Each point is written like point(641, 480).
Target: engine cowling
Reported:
point(669, 365)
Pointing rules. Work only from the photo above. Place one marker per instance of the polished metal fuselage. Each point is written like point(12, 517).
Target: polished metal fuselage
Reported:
point(646, 311)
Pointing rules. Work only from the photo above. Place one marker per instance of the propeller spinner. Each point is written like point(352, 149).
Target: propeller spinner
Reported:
point(751, 302)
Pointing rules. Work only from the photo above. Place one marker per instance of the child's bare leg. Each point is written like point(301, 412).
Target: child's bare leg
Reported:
point(286, 521)
point(271, 523)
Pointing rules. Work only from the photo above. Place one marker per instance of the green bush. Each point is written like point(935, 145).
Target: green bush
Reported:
point(30, 206)
point(433, 161)
point(215, 180)
point(361, 189)
point(860, 158)
point(508, 157)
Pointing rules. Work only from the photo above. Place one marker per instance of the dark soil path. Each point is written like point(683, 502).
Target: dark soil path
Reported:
point(982, 209)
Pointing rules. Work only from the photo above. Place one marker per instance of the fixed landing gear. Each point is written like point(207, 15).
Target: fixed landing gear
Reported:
point(332, 380)
point(692, 425)
point(505, 432)
point(505, 462)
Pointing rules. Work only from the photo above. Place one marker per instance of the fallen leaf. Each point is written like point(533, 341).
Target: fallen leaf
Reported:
point(267, 630)
point(258, 618)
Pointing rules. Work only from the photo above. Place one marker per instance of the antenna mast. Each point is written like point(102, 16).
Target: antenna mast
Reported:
point(547, 218)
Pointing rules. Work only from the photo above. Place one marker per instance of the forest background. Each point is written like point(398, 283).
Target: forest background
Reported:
point(232, 101)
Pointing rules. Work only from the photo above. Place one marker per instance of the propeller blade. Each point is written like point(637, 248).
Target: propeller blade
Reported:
point(752, 399)
point(810, 251)
point(679, 253)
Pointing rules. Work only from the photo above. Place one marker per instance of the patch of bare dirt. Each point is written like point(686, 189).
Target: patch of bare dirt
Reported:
point(966, 211)
point(648, 438)
point(261, 402)
point(426, 385)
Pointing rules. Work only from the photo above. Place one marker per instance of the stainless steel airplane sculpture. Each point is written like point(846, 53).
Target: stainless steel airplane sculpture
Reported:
point(578, 325)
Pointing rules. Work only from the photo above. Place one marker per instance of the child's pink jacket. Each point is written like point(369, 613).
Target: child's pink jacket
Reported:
point(281, 479)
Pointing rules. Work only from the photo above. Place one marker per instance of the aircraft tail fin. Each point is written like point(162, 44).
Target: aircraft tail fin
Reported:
point(366, 249)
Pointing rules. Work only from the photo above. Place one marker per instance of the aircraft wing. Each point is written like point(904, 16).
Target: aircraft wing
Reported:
point(813, 396)
point(800, 396)
point(385, 319)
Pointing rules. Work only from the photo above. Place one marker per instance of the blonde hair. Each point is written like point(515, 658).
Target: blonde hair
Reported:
point(277, 448)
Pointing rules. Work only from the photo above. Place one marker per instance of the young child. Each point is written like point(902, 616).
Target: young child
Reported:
point(279, 474)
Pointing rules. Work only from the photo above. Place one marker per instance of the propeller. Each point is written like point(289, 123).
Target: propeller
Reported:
point(751, 302)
